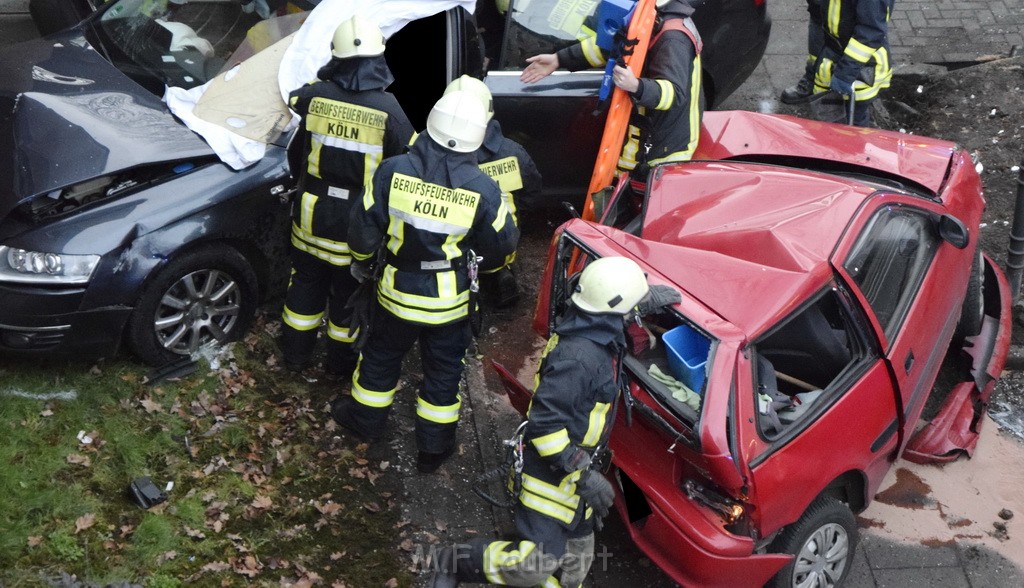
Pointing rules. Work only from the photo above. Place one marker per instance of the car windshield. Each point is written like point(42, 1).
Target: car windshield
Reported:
point(185, 43)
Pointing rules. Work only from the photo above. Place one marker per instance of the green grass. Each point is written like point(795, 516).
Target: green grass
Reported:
point(245, 447)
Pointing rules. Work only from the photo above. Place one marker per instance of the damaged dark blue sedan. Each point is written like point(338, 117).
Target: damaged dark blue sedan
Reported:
point(122, 228)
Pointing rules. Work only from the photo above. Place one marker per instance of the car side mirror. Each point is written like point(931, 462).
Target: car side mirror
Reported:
point(953, 231)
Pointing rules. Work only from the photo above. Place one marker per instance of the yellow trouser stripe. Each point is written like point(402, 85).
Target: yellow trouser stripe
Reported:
point(342, 334)
point(326, 244)
point(438, 414)
point(301, 322)
point(497, 557)
point(370, 397)
point(551, 443)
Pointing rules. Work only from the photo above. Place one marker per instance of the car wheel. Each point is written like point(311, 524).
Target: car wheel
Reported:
point(202, 296)
point(822, 541)
point(51, 16)
point(972, 312)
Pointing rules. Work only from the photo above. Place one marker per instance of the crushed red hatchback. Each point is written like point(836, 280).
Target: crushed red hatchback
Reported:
point(828, 275)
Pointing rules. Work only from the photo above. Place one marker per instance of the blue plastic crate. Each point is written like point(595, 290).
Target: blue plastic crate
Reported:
point(687, 352)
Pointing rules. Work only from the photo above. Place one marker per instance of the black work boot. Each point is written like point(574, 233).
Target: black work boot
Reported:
point(341, 412)
point(508, 289)
point(427, 463)
point(445, 575)
point(800, 93)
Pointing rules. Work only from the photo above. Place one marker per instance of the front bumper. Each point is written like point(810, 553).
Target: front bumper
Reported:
point(47, 321)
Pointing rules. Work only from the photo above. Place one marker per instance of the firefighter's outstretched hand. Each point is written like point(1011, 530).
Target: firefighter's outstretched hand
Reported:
point(539, 67)
point(658, 297)
point(596, 491)
point(624, 78)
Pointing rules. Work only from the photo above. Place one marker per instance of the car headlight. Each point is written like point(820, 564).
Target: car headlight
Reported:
point(37, 267)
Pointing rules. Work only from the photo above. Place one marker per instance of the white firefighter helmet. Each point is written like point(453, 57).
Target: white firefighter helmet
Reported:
point(458, 122)
point(475, 87)
point(357, 37)
point(610, 285)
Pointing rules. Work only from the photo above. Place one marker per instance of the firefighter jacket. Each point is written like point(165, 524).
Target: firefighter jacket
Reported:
point(427, 208)
point(510, 165)
point(350, 124)
point(665, 125)
point(856, 45)
point(576, 388)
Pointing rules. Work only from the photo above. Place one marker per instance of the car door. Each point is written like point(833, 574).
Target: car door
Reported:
point(912, 283)
point(558, 119)
point(822, 356)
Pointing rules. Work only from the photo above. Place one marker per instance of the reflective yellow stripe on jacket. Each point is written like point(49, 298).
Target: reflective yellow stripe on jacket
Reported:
point(558, 502)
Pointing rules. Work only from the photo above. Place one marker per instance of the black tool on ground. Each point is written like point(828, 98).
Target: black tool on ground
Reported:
point(178, 368)
point(145, 493)
point(363, 304)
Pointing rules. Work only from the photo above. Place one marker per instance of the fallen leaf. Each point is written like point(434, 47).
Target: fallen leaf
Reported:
point(79, 459)
point(392, 583)
point(46, 413)
point(372, 507)
point(384, 465)
point(407, 545)
point(441, 525)
point(34, 541)
point(337, 555)
point(151, 405)
point(262, 502)
point(194, 533)
point(84, 522)
point(215, 566)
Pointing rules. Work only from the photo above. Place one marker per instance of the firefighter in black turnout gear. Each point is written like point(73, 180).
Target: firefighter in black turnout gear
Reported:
point(350, 123)
point(855, 57)
point(429, 210)
point(665, 125)
point(562, 497)
point(510, 165)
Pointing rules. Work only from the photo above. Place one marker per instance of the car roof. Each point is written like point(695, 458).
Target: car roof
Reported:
point(749, 241)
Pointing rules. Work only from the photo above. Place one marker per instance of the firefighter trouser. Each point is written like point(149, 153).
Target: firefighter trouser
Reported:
point(549, 554)
point(815, 39)
point(442, 351)
point(317, 285)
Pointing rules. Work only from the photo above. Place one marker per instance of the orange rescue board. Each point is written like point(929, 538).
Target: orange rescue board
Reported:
point(640, 27)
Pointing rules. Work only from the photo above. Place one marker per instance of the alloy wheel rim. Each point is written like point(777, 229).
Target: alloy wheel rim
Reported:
point(822, 558)
point(200, 307)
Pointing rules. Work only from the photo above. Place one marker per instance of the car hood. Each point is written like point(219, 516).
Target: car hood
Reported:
point(739, 135)
point(68, 115)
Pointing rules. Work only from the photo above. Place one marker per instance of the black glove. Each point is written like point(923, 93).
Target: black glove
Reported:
point(361, 270)
point(362, 305)
point(657, 298)
point(596, 491)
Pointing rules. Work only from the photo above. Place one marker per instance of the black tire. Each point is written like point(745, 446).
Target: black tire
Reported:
point(826, 521)
point(972, 311)
point(51, 16)
point(202, 296)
